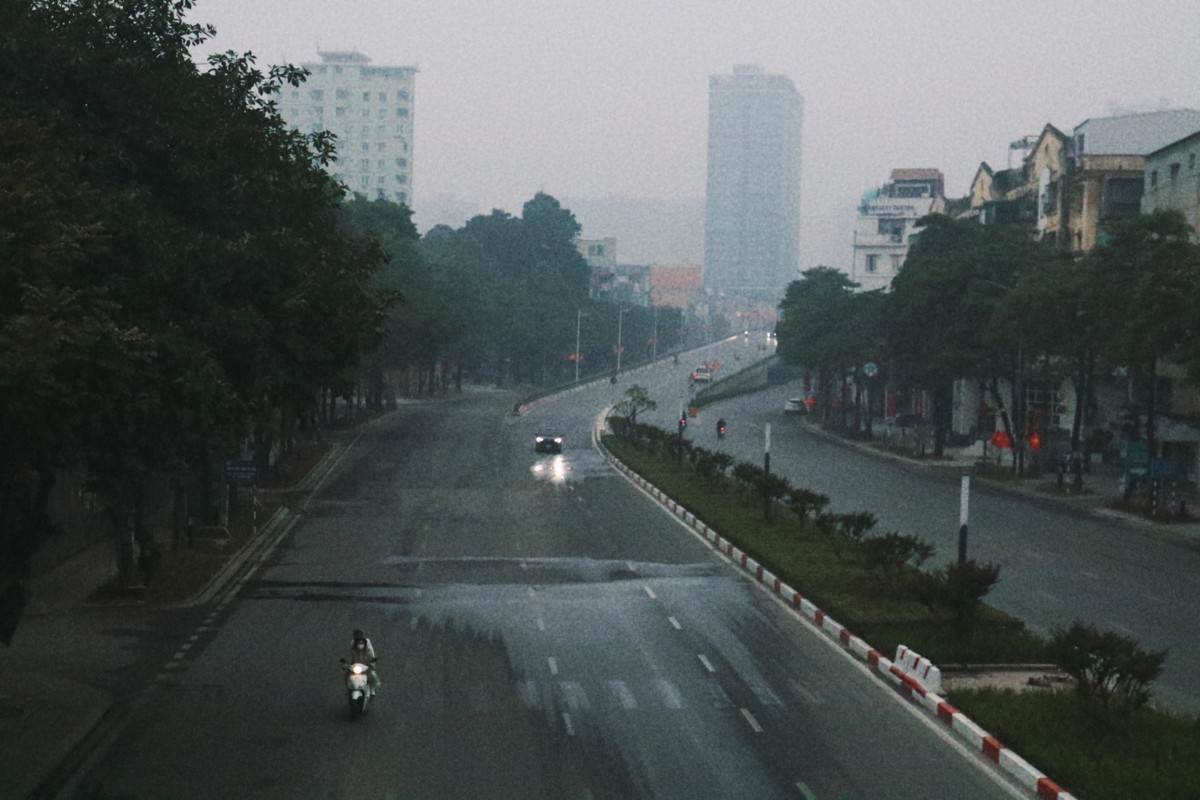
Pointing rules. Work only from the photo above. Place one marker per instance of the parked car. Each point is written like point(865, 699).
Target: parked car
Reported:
point(702, 375)
point(548, 443)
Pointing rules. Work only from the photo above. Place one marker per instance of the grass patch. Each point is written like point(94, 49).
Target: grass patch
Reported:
point(1150, 753)
point(827, 570)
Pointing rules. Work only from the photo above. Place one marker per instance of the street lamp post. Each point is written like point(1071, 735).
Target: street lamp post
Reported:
point(578, 315)
point(620, 318)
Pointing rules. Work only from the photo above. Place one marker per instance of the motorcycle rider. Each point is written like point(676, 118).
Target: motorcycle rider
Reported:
point(363, 652)
point(721, 427)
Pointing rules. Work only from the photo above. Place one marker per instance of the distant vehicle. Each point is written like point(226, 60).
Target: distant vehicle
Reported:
point(547, 443)
point(702, 375)
point(795, 405)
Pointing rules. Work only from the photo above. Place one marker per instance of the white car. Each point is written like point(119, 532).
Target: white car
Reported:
point(702, 375)
point(795, 405)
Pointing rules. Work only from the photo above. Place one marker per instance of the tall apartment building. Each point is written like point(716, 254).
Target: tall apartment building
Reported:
point(887, 220)
point(752, 216)
point(370, 110)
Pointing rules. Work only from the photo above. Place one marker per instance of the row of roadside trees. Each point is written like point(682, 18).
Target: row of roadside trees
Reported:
point(180, 278)
point(993, 304)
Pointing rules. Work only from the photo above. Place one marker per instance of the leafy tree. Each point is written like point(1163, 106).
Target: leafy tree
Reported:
point(637, 399)
point(1106, 666)
point(1150, 272)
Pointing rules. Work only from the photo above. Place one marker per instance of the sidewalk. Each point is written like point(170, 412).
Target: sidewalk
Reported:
point(46, 711)
point(43, 713)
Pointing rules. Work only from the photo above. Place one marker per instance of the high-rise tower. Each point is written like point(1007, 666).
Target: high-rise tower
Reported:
point(370, 109)
point(752, 220)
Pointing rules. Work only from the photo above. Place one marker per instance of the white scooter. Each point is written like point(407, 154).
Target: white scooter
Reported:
point(358, 686)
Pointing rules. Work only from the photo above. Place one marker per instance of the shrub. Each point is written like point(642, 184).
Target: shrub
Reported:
point(959, 588)
point(890, 552)
point(1106, 665)
point(805, 501)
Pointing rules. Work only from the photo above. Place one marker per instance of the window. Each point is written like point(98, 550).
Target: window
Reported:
point(1174, 172)
point(364, 164)
point(401, 179)
point(897, 262)
point(319, 111)
point(401, 197)
point(401, 162)
point(379, 164)
point(892, 228)
point(366, 147)
point(379, 147)
point(339, 112)
point(343, 94)
point(317, 94)
point(381, 180)
point(401, 95)
point(1192, 162)
point(872, 263)
point(366, 97)
point(401, 112)
point(382, 113)
point(383, 97)
point(1153, 178)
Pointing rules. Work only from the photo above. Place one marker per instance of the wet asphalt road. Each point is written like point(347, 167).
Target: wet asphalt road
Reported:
point(544, 632)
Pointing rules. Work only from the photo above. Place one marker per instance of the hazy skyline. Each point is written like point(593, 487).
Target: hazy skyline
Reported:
point(602, 100)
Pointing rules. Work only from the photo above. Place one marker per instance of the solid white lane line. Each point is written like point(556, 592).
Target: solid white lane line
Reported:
point(553, 666)
point(707, 664)
point(541, 623)
point(675, 623)
point(567, 723)
point(650, 592)
point(804, 790)
point(754, 726)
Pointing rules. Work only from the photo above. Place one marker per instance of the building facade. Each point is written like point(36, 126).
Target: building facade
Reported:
point(1172, 180)
point(370, 110)
point(752, 209)
point(887, 220)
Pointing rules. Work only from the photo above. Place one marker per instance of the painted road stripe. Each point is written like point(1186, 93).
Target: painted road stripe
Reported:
point(650, 592)
point(754, 726)
point(553, 666)
point(567, 722)
point(675, 623)
point(624, 695)
point(707, 664)
point(805, 791)
point(632, 568)
point(541, 623)
point(669, 694)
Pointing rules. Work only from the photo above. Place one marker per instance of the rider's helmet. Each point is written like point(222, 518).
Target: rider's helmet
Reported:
point(360, 639)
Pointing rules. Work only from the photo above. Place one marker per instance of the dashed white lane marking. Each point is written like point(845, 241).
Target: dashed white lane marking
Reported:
point(623, 694)
point(1089, 574)
point(412, 626)
point(185, 647)
point(1122, 628)
point(650, 592)
point(574, 695)
point(754, 726)
point(1153, 598)
point(541, 623)
point(805, 692)
point(1048, 596)
point(553, 666)
point(567, 723)
point(669, 694)
point(179, 655)
point(532, 593)
point(632, 568)
point(675, 623)
point(707, 664)
point(173, 665)
point(804, 790)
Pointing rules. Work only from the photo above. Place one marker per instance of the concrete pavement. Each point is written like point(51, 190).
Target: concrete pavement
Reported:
point(53, 675)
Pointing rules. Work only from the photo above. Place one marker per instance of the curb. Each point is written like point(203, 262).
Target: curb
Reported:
point(1024, 773)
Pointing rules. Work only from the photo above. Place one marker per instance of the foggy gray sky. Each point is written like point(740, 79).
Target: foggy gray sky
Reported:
point(610, 98)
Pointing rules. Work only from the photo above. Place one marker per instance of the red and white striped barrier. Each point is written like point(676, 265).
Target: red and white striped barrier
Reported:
point(902, 676)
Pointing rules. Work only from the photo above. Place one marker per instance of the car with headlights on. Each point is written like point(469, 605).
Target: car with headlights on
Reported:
point(548, 443)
